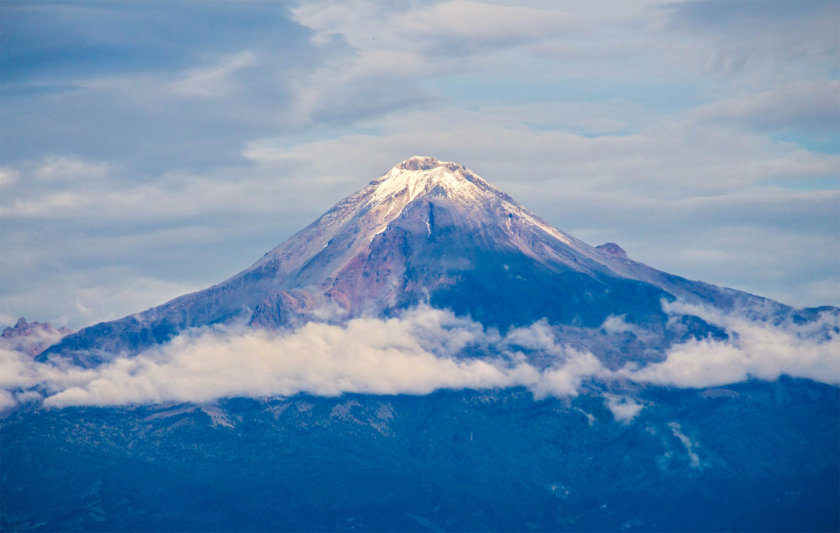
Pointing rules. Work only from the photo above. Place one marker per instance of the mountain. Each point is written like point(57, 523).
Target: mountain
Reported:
point(677, 405)
point(31, 338)
point(426, 232)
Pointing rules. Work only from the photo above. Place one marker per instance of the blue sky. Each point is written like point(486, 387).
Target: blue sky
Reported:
point(150, 149)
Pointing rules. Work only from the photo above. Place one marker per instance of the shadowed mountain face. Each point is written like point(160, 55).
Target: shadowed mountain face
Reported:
point(425, 232)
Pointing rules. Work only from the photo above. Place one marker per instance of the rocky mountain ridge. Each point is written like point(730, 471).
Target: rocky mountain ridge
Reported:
point(32, 338)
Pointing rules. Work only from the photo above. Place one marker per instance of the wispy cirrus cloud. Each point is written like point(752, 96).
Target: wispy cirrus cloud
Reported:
point(213, 81)
point(763, 41)
point(808, 106)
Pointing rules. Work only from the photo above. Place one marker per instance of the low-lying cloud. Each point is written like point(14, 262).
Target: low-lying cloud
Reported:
point(756, 349)
point(416, 354)
point(423, 351)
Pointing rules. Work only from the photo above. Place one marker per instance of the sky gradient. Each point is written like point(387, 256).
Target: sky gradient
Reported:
point(152, 149)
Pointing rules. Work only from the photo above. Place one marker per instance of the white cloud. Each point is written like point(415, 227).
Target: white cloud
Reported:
point(87, 190)
point(448, 28)
point(623, 409)
point(760, 42)
point(474, 25)
point(70, 169)
point(87, 298)
point(756, 349)
point(388, 49)
point(395, 356)
point(690, 445)
point(806, 105)
point(8, 176)
point(565, 379)
point(617, 324)
point(49, 204)
point(141, 293)
point(416, 354)
point(673, 159)
point(7, 400)
point(215, 81)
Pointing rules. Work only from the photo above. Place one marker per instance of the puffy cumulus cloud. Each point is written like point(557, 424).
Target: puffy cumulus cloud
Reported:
point(616, 325)
point(6, 400)
point(623, 409)
point(17, 370)
point(565, 379)
point(415, 354)
point(418, 353)
point(756, 349)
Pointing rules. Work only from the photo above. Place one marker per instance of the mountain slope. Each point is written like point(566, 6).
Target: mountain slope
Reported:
point(425, 232)
point(756, 456)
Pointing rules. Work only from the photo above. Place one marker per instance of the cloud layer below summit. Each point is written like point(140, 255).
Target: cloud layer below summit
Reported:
point(417, 354)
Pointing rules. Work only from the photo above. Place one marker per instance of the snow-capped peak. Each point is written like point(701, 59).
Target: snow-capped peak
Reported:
point(422, 162)
point(469, 201)
point(419, 175)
